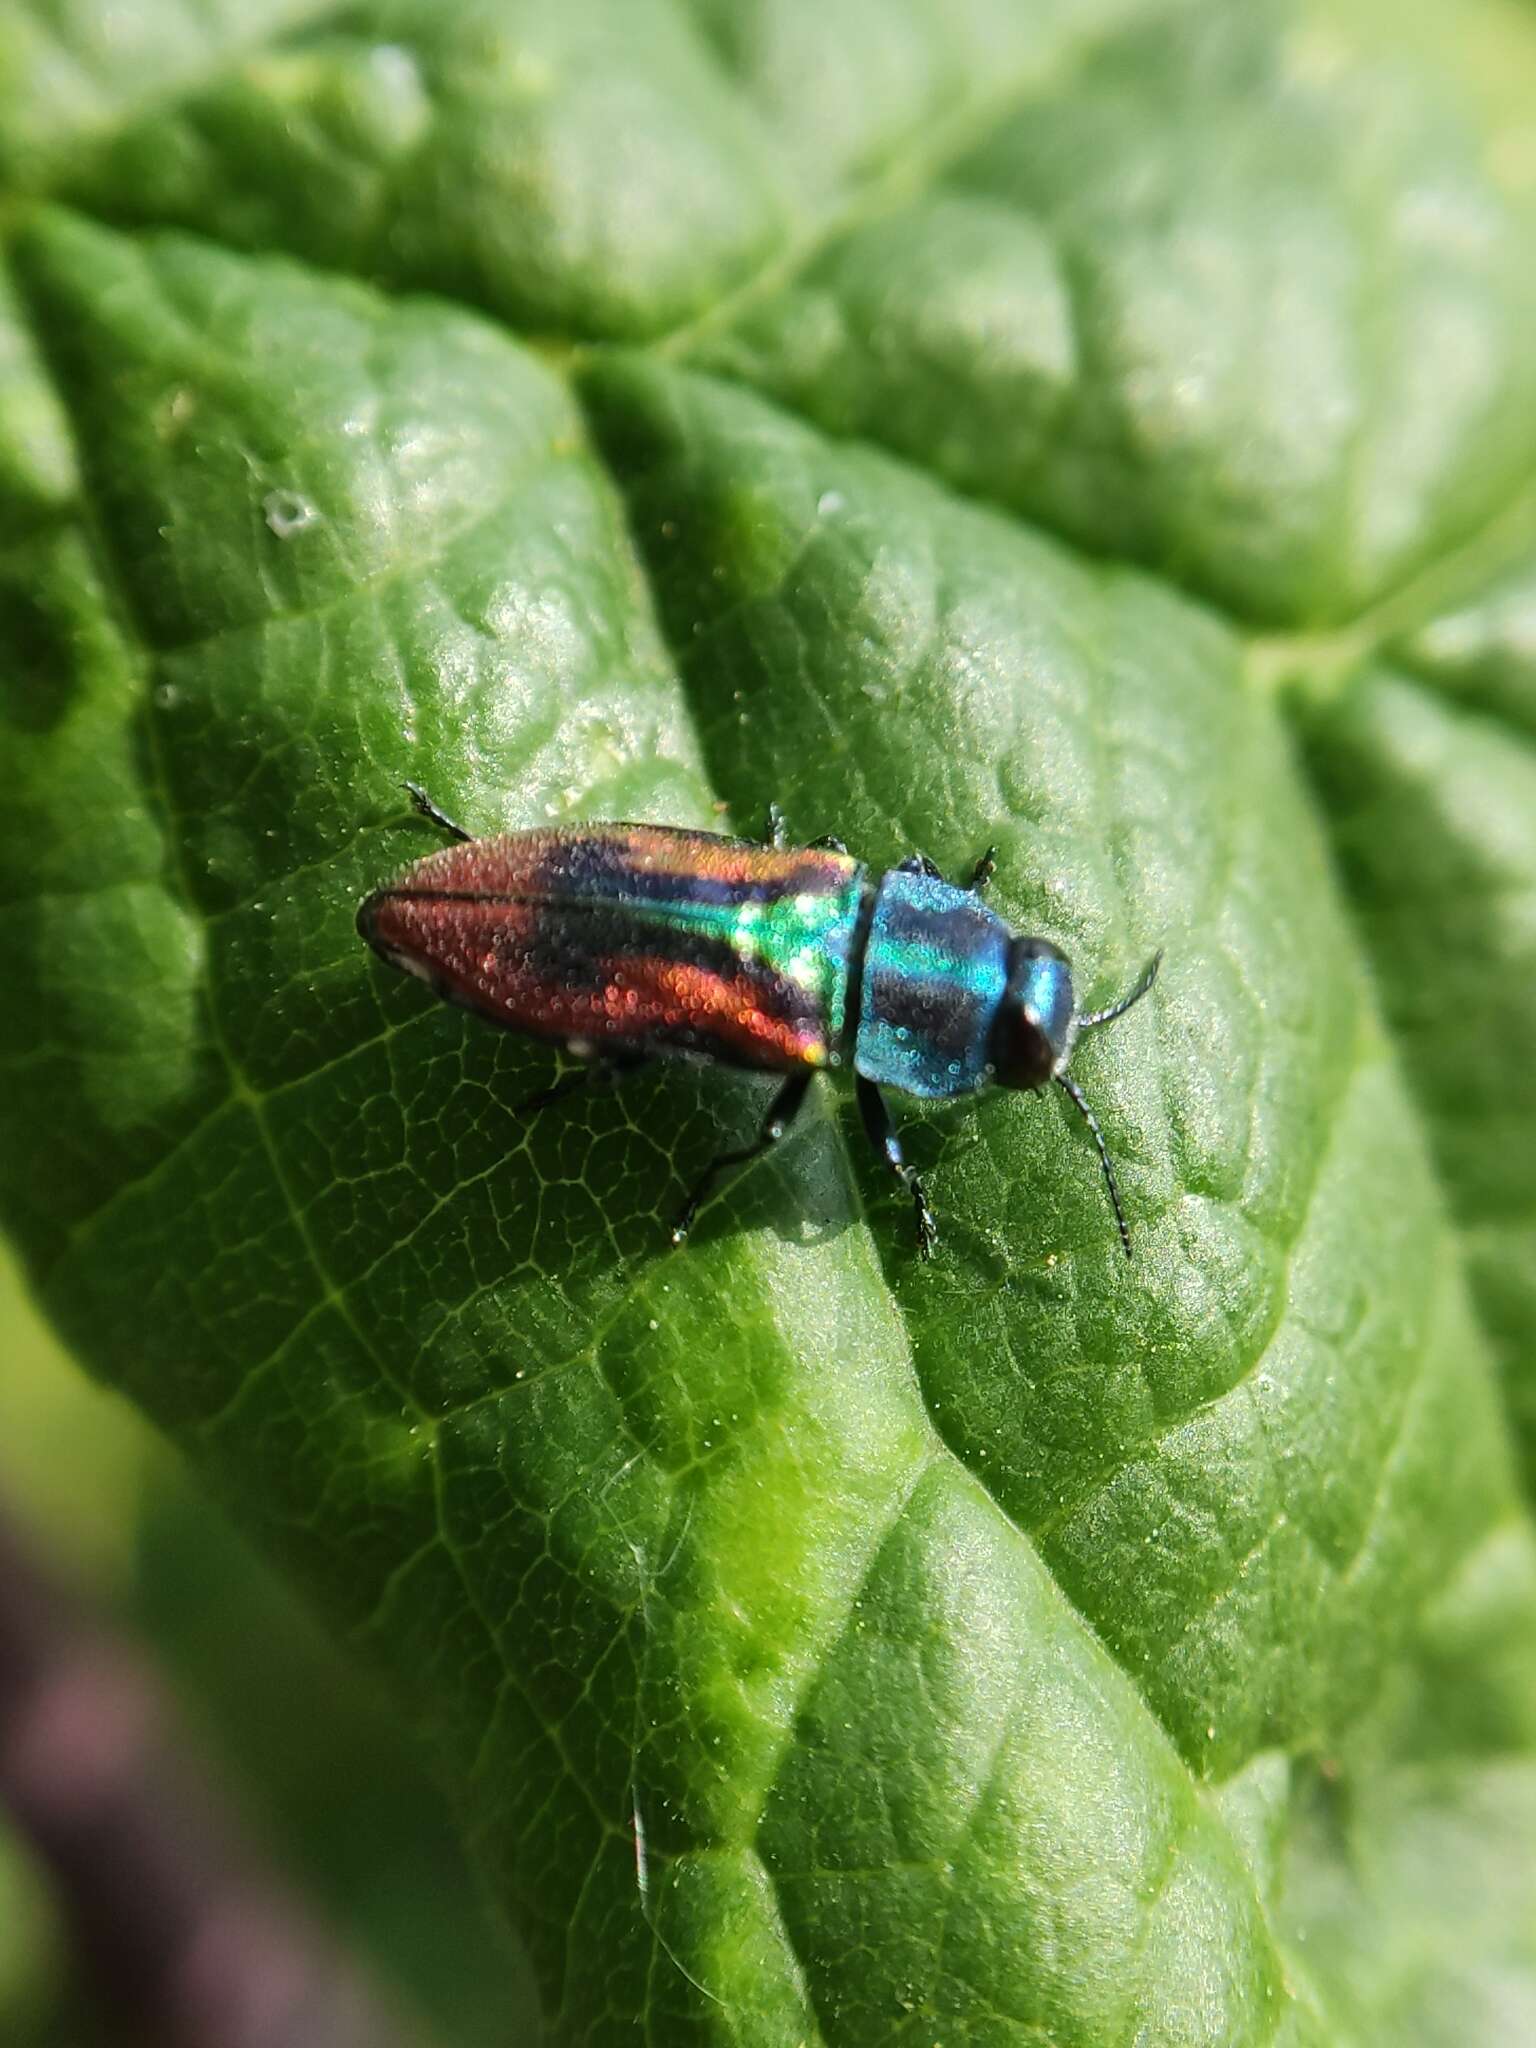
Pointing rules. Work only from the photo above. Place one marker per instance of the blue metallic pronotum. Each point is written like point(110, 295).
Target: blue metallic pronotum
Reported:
point(624, 942)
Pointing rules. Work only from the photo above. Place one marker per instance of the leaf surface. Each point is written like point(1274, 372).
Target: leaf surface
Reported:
point(822, 1646)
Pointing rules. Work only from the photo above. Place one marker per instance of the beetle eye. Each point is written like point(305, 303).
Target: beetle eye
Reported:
point(1034, 1029)
point(1021, 1052)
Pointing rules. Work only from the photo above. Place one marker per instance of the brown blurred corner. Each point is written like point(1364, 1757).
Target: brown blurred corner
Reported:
point(191, 1939)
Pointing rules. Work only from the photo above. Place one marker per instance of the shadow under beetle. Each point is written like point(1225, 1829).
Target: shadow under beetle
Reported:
point(625, 942)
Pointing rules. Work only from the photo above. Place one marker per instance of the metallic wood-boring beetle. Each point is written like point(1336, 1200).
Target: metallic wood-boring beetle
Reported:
point(625, 942)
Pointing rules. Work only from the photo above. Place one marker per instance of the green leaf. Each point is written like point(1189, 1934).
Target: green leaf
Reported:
point(1434, 812)
point(822, 1646)
point(1243, 299)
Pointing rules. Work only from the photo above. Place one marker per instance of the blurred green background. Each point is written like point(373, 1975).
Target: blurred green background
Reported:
point(328, 1785)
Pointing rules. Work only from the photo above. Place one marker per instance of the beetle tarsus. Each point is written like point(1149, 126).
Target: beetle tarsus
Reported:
point(920, 864)
point(885, 1138)
point(782, 1111)
point(983, 871)
point(421, 802)
point(927, 1228)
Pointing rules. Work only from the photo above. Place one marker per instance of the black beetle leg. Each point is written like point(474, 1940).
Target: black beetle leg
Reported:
point(919, 864)
point(883, 1136)
point(983, 871)
point(423, 803)
point(782, 1112)
point(828, 843)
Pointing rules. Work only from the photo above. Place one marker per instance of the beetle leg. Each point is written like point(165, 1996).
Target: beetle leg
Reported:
point(423, 803)
point(919, 864)
point(782, 1112)
point(828, 843)
point(983, 871)
point(883, 1135)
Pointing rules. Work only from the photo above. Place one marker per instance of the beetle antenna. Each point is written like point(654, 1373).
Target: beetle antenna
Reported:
point(1148, 976)
point(1110, 1182)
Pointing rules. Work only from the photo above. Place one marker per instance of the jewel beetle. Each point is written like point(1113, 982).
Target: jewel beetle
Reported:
point(625, 942)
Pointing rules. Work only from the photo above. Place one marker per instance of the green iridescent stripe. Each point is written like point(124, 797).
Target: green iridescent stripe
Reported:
point(917, 961)
point(803, 938)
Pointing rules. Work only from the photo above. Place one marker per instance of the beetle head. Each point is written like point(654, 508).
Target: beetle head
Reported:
point(1037, 1020)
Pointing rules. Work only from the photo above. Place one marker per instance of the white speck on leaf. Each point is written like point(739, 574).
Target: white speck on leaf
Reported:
point(288, 513)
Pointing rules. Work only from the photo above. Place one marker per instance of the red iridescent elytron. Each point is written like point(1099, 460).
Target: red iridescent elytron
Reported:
point(634, 939)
